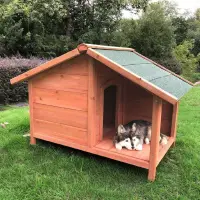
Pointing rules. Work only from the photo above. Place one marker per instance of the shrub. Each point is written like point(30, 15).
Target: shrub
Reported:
point(9, 68)
point(172, 64)
point(196, 77)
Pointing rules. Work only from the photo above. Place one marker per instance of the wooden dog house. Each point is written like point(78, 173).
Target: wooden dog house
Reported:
point(79, 98)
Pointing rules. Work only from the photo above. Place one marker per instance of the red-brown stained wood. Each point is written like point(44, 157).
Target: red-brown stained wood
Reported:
point(59, 98)
point(164, 150)
point(75, 118)
point(92, 84)
point(45, 66)
point(138, 105)
point(61, 131)
point(174, 121)
point(62, 82)
point(30, 90)
point(155, 137)
point(76, 66)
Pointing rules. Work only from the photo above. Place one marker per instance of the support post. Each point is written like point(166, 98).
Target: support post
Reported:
point(30, 92)
point(174, 121)
point(155, 137)
point(91, 103)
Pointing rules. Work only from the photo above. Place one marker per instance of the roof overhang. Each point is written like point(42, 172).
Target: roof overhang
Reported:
point(133, 77)
point(89, 49)
point(45, 66)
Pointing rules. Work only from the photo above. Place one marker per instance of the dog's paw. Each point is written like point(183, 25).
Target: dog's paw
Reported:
point(146, 140)
point(129, 147)
point(164, 141)
point(118, 146)
point(138, 147)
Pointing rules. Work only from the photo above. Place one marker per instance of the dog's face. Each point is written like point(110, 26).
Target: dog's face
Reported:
point(124, 143)
point(122, 138)
point(135, 141)
point(121, 130)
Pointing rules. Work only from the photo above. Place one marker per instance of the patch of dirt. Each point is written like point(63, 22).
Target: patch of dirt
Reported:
point(20, 104)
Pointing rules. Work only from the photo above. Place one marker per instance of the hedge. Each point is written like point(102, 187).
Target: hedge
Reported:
point(9, 68)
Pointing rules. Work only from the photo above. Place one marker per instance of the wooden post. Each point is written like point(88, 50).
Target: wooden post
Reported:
point(30, 92)
point(174, 121)
point(155, 137)
point(91, 103)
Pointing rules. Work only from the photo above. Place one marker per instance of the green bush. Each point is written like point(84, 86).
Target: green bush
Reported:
point(9, 68)
point(196, 77)
point(172, 64)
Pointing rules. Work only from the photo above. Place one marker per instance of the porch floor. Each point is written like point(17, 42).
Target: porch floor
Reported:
point(107, 144)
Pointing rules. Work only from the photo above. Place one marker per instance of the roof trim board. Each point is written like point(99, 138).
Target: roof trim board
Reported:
point(133, 77)
point(83, 47)
point(45, 66)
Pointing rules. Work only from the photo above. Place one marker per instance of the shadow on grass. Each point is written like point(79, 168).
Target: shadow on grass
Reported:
point(95, 161)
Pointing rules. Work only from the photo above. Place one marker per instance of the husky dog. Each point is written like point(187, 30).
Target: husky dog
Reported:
point(138, 131)
point(123, 138)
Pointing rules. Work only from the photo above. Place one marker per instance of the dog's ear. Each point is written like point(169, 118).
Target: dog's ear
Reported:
point(133, 127)
point(121, 129)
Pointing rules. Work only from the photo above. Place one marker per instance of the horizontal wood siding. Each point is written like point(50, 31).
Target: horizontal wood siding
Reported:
point(60, 131)
point(64, 99)
point(60, 102)
point(62, 82)
point(75, 66)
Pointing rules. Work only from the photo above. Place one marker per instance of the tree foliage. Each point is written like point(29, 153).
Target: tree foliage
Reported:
point(189, 62)
point(155, 36)
point(50, 28)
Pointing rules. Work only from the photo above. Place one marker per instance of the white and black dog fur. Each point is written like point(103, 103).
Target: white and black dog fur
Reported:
point(134, 134)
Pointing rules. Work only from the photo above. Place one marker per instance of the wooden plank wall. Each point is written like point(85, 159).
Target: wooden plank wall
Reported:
point(138, 105)
point(104, 75)
point(137, 102)
point(60, 102)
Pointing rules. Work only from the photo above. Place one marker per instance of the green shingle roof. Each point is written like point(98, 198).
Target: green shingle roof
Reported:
point(145, 69)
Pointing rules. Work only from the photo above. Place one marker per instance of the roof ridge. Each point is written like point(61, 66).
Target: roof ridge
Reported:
point(83, 47)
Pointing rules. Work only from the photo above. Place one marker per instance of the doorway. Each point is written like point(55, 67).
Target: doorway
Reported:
point(109, 109)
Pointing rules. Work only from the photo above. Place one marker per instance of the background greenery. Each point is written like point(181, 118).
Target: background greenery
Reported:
point(50, 28)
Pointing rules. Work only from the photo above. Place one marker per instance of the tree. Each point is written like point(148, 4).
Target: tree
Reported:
point(155, 34)
point(181, 29)
point(188, 61)
point(50, 28)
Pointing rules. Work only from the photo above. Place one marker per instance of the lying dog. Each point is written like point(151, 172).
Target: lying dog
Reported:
point(134, 134)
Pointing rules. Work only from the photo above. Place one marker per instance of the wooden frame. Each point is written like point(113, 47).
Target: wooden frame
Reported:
point(154, 145)
point(78, 122)
point(91, 102)
point(30, 91)
point(118, 114)
point(174, 121)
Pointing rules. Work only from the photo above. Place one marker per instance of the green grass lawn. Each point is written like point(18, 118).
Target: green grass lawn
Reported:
point(48, 171)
